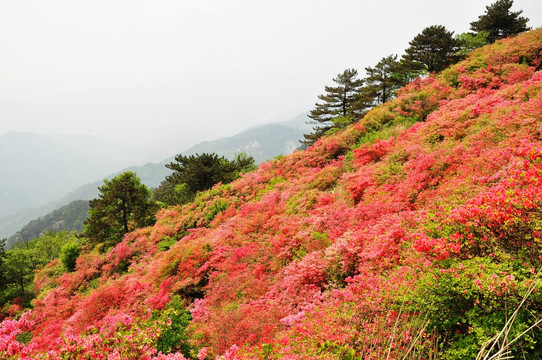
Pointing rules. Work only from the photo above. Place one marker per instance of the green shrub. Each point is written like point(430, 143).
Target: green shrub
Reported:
point(175, 319)
point(68, 255)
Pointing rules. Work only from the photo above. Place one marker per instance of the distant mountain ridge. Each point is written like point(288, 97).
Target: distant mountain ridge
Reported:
point(40, 168)
point(263, 142)
point(68, 218)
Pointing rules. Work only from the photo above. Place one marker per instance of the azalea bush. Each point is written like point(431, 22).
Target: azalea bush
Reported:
point(415, 233)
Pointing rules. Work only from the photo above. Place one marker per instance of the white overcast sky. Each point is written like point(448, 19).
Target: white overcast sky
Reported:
point(166, 74)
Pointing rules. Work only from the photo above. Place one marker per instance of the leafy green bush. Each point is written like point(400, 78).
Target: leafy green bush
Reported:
point(468, 303)
point(175, 319)
point(69, 254)
point(218, 206)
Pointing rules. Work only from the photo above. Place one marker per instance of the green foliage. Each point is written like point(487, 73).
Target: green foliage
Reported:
point(344, 100)
point(68, 255)
point(175, 336)
point(201, 172)
point(267, 351)
point(468, 302)
point(218, 206)
point(123, 205)
point(169, 193)
point(196, 173)
point(3, 278)
point(24, 337)
point(399, 124)
point(385, 78)
point(434, 48)
point(389, 170)
point(469, 42)
point(339, 123)
point(19, 264)
point(166, 243)
point(499, 22)
point(343, 352)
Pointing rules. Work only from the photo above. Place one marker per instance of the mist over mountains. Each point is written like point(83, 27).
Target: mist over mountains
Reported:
point(47, 172)
point(41, 168)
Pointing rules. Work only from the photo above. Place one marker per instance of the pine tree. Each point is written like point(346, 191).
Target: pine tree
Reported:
point(123, 205)
point(385, 78)
point(499, 21)
point(341, 105)
point(198, 173)
point(434, 48)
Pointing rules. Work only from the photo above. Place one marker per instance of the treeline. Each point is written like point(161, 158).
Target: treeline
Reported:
point(432, 50)
point(125, 204)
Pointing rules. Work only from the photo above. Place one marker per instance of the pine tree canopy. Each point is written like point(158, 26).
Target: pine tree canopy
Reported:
point(499, 21)
point(384, 79)
point(122, 206)
point(201, 172)
point(197, 172)
point(344, 100)
point(434, 48)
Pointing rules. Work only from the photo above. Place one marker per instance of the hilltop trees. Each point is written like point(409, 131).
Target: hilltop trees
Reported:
point(499, 22)
point(384, 79)
point(341, 104)
point(195, 173)
point(123, 205)
point(434, 48)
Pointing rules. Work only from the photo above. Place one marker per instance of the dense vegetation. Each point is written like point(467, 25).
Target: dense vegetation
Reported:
point(18, 265)
point(413, 233)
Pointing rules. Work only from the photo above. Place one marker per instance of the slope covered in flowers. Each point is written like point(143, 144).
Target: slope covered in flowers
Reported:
point(414, 233)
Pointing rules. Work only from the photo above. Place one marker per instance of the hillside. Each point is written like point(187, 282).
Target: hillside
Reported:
point(413, 234)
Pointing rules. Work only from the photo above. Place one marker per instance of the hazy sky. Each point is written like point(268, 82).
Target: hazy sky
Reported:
point(166, 74)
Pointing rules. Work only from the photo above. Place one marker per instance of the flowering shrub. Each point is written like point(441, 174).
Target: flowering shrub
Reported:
point(11, 346)
point(414, 232)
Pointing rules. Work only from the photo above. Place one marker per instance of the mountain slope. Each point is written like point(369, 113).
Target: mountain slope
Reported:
point(414, 233)
point(66, 218)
